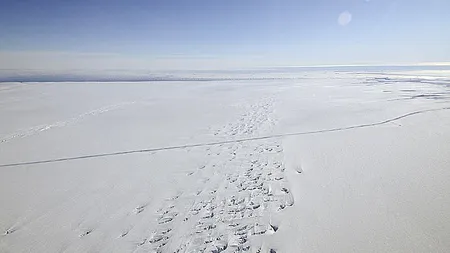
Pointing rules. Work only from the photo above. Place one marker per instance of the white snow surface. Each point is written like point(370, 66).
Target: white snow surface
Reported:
point(325, 162)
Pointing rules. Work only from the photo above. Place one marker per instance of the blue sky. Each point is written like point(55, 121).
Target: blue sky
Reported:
point(221, 34)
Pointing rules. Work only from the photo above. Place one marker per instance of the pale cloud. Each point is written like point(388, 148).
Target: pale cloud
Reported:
point(434, 64)
point(52, 62)
point(61, 62)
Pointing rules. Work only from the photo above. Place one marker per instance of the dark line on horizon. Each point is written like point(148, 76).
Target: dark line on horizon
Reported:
point(188, 79)
point(221, 142)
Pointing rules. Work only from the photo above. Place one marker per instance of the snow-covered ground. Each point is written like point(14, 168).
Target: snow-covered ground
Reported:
point(316, 162)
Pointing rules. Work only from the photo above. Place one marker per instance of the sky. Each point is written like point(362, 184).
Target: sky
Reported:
point(209, 34)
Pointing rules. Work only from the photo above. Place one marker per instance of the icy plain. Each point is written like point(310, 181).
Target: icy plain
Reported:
point(321, 161)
